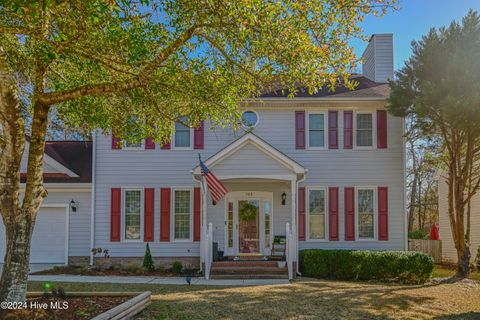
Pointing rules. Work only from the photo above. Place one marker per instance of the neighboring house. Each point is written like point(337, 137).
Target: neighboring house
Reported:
point(449, 253)
point(330, 165)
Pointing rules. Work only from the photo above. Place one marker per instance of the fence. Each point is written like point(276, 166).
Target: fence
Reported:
point(431, 247)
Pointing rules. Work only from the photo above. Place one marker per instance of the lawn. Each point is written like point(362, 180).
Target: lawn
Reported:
point(303, 299)
point(443, 272)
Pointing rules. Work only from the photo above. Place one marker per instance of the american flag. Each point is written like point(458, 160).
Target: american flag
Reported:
point(216, 188)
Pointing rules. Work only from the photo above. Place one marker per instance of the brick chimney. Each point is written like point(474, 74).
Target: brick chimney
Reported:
point(378, 58)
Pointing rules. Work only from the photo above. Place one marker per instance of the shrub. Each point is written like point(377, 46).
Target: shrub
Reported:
point(403, 266)
point(419, 234)
point(148, 260)
point(177, 267)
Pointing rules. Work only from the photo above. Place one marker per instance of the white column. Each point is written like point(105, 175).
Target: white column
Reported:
point(203, 223)
point(293, 184)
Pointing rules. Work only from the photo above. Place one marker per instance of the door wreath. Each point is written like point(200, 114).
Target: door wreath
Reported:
point(247, 212)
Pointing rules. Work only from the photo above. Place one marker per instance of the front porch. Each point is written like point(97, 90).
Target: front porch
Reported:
point(260, 205)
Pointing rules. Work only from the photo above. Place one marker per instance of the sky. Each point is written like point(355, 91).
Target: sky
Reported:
point(414, 19)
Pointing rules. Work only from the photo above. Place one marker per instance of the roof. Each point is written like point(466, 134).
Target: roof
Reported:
point(73, 155)
point(366, 88)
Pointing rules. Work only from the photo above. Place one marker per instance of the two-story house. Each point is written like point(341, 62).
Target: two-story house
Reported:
point(324, 170)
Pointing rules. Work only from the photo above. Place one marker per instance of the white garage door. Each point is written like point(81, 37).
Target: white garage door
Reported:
point(49, 238)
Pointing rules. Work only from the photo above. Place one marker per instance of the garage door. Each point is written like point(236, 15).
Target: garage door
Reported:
point(49, 238)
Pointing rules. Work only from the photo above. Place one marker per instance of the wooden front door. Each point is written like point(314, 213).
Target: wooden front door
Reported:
point(249, 226)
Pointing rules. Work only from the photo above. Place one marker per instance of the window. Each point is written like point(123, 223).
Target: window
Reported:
point(366, 213)
point(183, 135)
point(249, 119)
point(316, 214)
point(133, 145)
point(364, 130)
point(268, 214)
point(132, 214)
point(182, 214)
point(316, 130)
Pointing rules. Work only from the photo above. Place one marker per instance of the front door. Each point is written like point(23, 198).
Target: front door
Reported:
point(249, 226)
point(248, 223)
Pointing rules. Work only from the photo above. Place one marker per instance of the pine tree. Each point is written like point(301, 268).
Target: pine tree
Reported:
point(148, 260)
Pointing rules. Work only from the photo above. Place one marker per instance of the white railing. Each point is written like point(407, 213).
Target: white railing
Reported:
point(208, 254)
point(290, 251)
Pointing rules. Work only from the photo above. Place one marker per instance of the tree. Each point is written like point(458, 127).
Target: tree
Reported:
point(134, 67)
point(440, 85)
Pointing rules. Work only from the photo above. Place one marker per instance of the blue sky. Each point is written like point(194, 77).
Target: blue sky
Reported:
point(413, 20)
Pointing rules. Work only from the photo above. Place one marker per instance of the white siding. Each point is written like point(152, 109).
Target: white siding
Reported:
point(171, 168)
point(449, 252)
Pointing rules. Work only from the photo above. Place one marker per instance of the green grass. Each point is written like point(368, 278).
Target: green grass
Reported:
point(303, 299)
point(444, 272)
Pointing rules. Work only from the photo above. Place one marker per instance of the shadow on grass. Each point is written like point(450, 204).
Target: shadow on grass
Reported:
point(461, 316)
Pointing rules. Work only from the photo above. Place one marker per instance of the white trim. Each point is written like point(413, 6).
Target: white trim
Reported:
point(261, 145)
point(374, 130)
point(141, 148)
point(260, 176)
point(249, 127)
point(92, 204)
point(325, 129)
point(307, 216)
point(124, 189)
point(315, 99)
point(172, 213)
point(375, 214)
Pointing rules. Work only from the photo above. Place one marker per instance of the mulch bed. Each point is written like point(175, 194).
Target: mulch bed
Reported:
point(73, 308)
point(116, 272)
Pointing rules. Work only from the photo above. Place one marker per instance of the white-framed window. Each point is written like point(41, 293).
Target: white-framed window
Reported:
point(316, 130)
point(317, 213)
point(365, 128)
point(132, 214)
point(250, 119)
point(134, 145)
point(366, 212)
point(183, 137)
point(182, 222)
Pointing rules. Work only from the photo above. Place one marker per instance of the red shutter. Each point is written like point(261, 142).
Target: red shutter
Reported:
point(115, 209)
point(333, 129)
point(196, 214)
point(333, 213)
point(149, 143)
point(149, 209)
point(348, 129)
point(382, 213)
point(381, 129)
point(116, 142)
point(198, 134)
point(349, 214)
point(165, 214)
point(300, 129)
point(166, 146)
point(301, 214)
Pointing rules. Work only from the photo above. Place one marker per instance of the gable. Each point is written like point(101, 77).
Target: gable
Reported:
point(250, 160)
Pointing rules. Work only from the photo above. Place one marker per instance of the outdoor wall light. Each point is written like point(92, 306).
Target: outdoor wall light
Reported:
point(74, 205)
point(284, 198)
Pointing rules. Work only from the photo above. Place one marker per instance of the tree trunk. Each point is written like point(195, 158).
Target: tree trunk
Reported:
point(15, 269)
point(18, 220)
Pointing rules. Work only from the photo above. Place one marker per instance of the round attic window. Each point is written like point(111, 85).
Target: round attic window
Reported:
point(249, 119)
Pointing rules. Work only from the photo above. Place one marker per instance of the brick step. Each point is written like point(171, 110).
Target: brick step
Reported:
point(248, 276)
point(248, 270)
point(244, 263)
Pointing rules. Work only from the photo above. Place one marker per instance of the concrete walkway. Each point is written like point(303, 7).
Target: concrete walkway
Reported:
point(155, 280)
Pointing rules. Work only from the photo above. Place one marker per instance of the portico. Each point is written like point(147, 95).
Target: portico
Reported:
point(261, 202)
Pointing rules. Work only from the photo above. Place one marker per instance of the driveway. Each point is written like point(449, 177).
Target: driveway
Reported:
point(36, 267)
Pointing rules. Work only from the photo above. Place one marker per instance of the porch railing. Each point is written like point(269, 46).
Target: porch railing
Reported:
point(290, 251)
point(209, 250)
